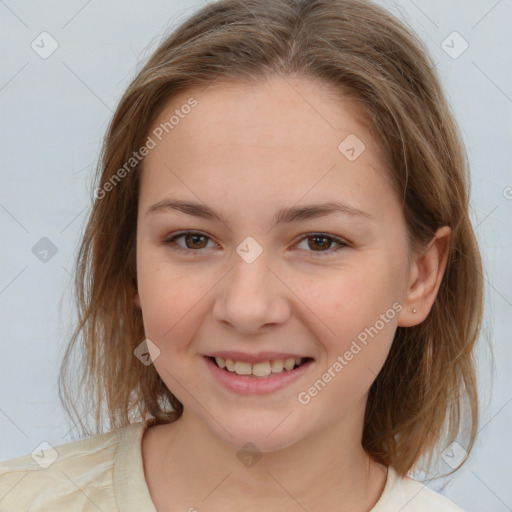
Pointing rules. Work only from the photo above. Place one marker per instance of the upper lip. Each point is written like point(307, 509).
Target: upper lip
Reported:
point(253, 358)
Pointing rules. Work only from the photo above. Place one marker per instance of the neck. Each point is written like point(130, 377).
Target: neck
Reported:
point(193, 467)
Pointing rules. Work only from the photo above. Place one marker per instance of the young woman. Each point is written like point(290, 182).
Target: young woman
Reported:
point(279, 285)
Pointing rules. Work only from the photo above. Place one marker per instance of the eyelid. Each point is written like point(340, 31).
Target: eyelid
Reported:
point(170, 240)
point(342, 243)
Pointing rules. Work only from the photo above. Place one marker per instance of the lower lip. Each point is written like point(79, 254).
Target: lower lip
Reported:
point(247, 385)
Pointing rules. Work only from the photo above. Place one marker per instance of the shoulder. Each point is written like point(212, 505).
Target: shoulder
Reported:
point(73, 476)
point(423, 499)
point(408, 495)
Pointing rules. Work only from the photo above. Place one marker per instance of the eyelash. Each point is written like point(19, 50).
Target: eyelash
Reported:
point(172, 242)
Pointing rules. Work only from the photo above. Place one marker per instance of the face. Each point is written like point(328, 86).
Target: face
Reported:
point(326, 286)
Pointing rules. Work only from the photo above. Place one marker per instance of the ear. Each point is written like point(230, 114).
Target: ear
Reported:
point(136, 300)
point(425, 277)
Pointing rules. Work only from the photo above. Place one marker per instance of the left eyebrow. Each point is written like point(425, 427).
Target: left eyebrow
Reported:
point(284, 215)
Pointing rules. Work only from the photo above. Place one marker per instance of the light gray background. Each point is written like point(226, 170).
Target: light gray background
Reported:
point(55, 112)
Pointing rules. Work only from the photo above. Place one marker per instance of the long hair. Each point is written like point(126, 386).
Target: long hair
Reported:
point(369, 56)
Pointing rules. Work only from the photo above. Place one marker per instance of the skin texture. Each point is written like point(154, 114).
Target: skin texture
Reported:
point(247, 151)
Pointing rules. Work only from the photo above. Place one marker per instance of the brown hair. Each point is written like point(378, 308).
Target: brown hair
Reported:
point(363, 52)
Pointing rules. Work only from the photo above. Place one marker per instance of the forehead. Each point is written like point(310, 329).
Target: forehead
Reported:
point(278, 111)
point(292, 134)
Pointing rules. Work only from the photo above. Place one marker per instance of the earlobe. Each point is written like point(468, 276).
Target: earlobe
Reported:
point(425, 279)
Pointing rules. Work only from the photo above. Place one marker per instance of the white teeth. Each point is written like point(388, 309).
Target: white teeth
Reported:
point(261, 369)
point(277, 366)
point(243, 368)
point(289, 363)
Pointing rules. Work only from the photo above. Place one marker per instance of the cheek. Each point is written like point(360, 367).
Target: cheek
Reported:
point(358, 309)
point(356, 339)
point(167, 295)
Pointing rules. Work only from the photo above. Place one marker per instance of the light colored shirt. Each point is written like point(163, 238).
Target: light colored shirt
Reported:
point(105, 473)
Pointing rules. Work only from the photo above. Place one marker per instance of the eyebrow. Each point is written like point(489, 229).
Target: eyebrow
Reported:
point(284, 215)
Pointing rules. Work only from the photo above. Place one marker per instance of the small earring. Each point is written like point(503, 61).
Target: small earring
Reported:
point(414, 310)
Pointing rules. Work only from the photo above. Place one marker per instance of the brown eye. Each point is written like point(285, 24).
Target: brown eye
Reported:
point(193, 242)
point(321, 243)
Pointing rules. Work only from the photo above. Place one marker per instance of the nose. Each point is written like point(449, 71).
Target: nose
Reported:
point(251, 297)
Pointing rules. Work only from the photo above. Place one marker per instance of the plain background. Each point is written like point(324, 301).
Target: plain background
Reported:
point(55, 112)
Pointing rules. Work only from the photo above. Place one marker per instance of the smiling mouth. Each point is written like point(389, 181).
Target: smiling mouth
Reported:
point(264, 369)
